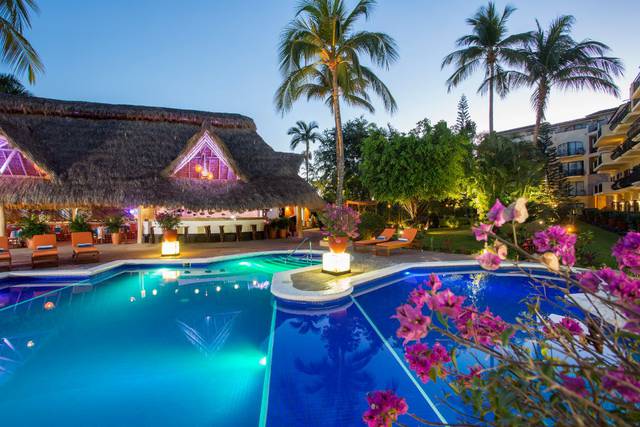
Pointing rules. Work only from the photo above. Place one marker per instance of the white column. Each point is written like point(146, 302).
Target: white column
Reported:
point(140, 224)
point(3, 224)
point(74, 214)
point(299, 221)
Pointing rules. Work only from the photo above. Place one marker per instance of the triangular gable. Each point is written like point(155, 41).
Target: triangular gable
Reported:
point(205, 158)
point(14, 163)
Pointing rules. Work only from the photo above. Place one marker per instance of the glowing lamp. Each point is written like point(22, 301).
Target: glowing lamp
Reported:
point(333, 263)
point(198, 168)
point(49, 306)
point(170, 248)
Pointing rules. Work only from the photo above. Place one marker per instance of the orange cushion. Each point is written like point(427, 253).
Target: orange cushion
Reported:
point(85, 250)
point(45, 253)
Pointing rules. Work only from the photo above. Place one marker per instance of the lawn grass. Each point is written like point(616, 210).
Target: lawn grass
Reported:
point(457, 240)
point(602, 242)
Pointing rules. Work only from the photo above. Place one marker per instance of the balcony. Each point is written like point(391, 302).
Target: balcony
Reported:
point(564, 152)
point(635, 90)
point(628, 180)
point(592, 127)
point(634, 130)
point(619, 115)
point(623, 148)
point(575, 192)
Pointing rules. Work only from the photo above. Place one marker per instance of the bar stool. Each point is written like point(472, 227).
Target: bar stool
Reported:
point(254, 231)
point(186, 234)
point(221, 227)
point(207, 232)
point(238, 232)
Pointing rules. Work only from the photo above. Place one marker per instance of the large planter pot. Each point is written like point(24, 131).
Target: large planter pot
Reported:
point(273, 233)
point(338, 244)
point(170, 235)
point(116, 238)
point(282, 233)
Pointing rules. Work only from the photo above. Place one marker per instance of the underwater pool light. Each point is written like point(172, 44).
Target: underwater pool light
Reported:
point(263, 361)
point(236, 286)
point(218, 288)
point(244, 263)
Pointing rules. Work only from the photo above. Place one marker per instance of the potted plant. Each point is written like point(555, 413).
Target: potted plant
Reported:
point(30, 226)
point(114, 224)
point(282, 225)
point(79, 224)
point(340, 224)
point(169, 222)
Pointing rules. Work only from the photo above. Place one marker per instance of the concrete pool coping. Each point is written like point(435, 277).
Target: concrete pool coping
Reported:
point(283, 283)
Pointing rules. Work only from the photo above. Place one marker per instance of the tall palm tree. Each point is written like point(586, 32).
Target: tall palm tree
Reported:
point(304, 133)
point(487, 47)
point(16, 51)
point(320, 58)
point(9, 84)
point(553, 58)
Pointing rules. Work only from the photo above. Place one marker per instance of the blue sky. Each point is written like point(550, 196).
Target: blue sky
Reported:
point(221, 56)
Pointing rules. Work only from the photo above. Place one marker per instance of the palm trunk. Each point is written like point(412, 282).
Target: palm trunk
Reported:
point(491, 77)
point(306, 161)
point(339, 142)
point(540, 101)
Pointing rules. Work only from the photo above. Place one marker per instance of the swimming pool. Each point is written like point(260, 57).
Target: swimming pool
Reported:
point(209, 346)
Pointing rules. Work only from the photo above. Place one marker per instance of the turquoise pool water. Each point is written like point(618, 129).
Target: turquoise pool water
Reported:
point(209, 346)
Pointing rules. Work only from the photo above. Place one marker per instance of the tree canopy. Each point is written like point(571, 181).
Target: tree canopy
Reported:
point(424, 165)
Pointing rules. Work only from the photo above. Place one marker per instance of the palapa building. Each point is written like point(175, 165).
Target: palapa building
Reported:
point(61, 154)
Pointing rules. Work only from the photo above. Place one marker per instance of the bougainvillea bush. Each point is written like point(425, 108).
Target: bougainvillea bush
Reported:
point(580, 369)
point(340, 221)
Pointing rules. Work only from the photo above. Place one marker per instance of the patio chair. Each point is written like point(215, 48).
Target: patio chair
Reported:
point(45, 249)
point(385, 236)
point(82, 244)
point(405, 241)
point(5, 255)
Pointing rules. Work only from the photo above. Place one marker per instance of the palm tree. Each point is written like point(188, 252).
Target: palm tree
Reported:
point(487, 47)
point(16, 50)
point(304, 133)
point(320, 58)
point(553, 58)
point(9, 84)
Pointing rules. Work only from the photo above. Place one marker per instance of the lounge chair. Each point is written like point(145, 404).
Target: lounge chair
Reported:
point(82, 244)
point(5, 255)
point(45, 249)
point(405, 241)
point(385, 236)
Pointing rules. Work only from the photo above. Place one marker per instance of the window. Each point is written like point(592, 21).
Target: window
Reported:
point(573, 168)
point(571, 148)
point(576, 189)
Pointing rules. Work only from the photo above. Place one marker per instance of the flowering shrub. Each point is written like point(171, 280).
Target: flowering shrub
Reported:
point(340, 221)
point(168, 220)
point(583, 369)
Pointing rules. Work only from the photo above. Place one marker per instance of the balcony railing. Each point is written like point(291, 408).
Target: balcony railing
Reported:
point(592, 127)
point(572, 192)
point(563, 151)
point(623, 148)
point(573, 172)
point(619, 115)
point(636, 84)
point(627, 180)
point(634, 130)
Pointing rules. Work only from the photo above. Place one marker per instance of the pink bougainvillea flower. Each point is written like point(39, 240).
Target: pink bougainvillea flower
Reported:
point(590, 281)
point(556, 239)
point(496, 214)
point(567, 324)
point(481, 231)
point(627, 251)
point(574, 384)
point(423, 360)
point(517, 211)
point(446, 302)
point(485, 328)
point(627, 386)
point(488, 260)
point(434, 282)
point(413, 324)
point(384, 408)
point(474, 372)
point(418, 297)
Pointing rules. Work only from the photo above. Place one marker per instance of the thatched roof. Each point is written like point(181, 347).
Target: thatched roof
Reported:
point(118, 155)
